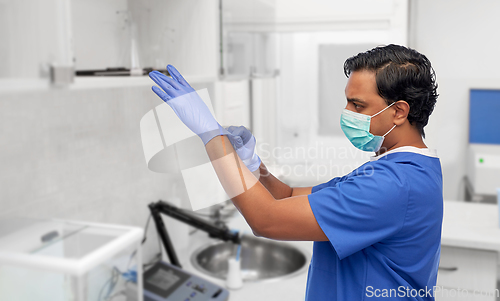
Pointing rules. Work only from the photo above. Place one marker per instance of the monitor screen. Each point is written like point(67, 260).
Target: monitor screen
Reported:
point(163, 279)
point(484, 116)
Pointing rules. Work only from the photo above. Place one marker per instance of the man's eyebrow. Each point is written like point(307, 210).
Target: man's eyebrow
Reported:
point(356, 100)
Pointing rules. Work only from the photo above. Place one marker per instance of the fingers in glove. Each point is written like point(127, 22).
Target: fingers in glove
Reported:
point(164, 96)
point(157, 79)
point(235, 130)
point(163, 78)
point(177, 76)
point(236, 141)
point(244, 133)
point(235, 138)
point(164, 85)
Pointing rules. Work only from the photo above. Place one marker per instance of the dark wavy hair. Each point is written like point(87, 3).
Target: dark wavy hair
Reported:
point(401, 74)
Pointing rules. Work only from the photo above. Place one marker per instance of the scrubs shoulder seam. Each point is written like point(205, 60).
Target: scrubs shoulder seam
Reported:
point(407, 204)
point(320, 219)
point(404, 183)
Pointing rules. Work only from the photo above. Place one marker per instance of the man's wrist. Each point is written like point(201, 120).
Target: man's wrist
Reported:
point(209, 135)
point(254, 163)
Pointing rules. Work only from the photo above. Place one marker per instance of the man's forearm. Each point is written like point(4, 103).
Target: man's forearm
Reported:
point(277, 188)
point(250, 196)
point(288, 219)
point(234, 177)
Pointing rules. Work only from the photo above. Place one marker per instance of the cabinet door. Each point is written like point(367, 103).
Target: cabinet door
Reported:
point(249, 41)
point(466, 274)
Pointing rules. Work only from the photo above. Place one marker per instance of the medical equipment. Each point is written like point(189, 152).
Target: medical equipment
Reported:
point(483, 158)
point(57, 260)
point(234, 278)
point(215, 231)
point(166, 282)
point(483, 171)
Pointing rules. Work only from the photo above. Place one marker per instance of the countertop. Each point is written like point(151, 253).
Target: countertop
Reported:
point(471, 225)
point(290, 289)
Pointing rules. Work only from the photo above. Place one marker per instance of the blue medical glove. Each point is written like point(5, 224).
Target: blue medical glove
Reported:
point(244, 143)
point(186, 103)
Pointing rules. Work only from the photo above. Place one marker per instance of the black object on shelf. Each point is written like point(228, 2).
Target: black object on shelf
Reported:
point(213, 230)
point(118, 71)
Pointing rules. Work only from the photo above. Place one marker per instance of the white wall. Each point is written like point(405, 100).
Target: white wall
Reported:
point(76, 152)
point(461, 40)
point(322, 15)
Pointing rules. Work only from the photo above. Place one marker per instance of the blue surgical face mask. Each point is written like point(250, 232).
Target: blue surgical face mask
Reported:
point(356, 127)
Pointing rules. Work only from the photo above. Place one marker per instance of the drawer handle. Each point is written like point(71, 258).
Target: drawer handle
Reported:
point(453, 269)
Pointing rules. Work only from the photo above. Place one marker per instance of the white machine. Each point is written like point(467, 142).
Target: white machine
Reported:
point(55, 260)
point(483, 159)
point(483, 170)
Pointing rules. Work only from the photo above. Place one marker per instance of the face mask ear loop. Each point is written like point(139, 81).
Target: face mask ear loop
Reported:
point(389, 131)
point(383, 109)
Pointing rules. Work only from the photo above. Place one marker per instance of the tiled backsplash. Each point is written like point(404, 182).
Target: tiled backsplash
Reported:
point(77, 154)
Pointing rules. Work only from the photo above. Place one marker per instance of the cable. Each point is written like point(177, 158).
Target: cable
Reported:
point(152, 262)
point(146, 230)
point(111, 283)
point(144, 240)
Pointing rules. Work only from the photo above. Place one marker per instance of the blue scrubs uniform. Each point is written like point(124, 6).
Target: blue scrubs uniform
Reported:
point(383, 222)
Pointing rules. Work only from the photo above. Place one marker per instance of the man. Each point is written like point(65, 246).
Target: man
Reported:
point(377, 230)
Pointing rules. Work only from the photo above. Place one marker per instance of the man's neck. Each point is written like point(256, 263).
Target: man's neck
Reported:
point(415, 142)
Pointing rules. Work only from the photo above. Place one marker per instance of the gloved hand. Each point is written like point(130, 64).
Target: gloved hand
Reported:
point(186, 103)
point(244, 143)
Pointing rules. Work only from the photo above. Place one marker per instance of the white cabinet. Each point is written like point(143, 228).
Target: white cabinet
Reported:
point(249, 40)
point(182, 33)
point(93, 34)
point(250, 15)
point(34, 35)
point(466, 274)
point(470, 246)
point(232, 105)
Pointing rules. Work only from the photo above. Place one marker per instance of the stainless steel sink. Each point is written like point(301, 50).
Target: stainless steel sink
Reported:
point(261, 259)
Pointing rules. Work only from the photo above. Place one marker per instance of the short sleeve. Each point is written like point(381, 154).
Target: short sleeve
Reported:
point(364, 208)
point(332, 182)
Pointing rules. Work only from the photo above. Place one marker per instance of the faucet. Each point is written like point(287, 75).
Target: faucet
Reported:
point(216, 230)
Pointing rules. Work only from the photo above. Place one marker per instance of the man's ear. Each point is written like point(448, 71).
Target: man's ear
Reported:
point(402, 111)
